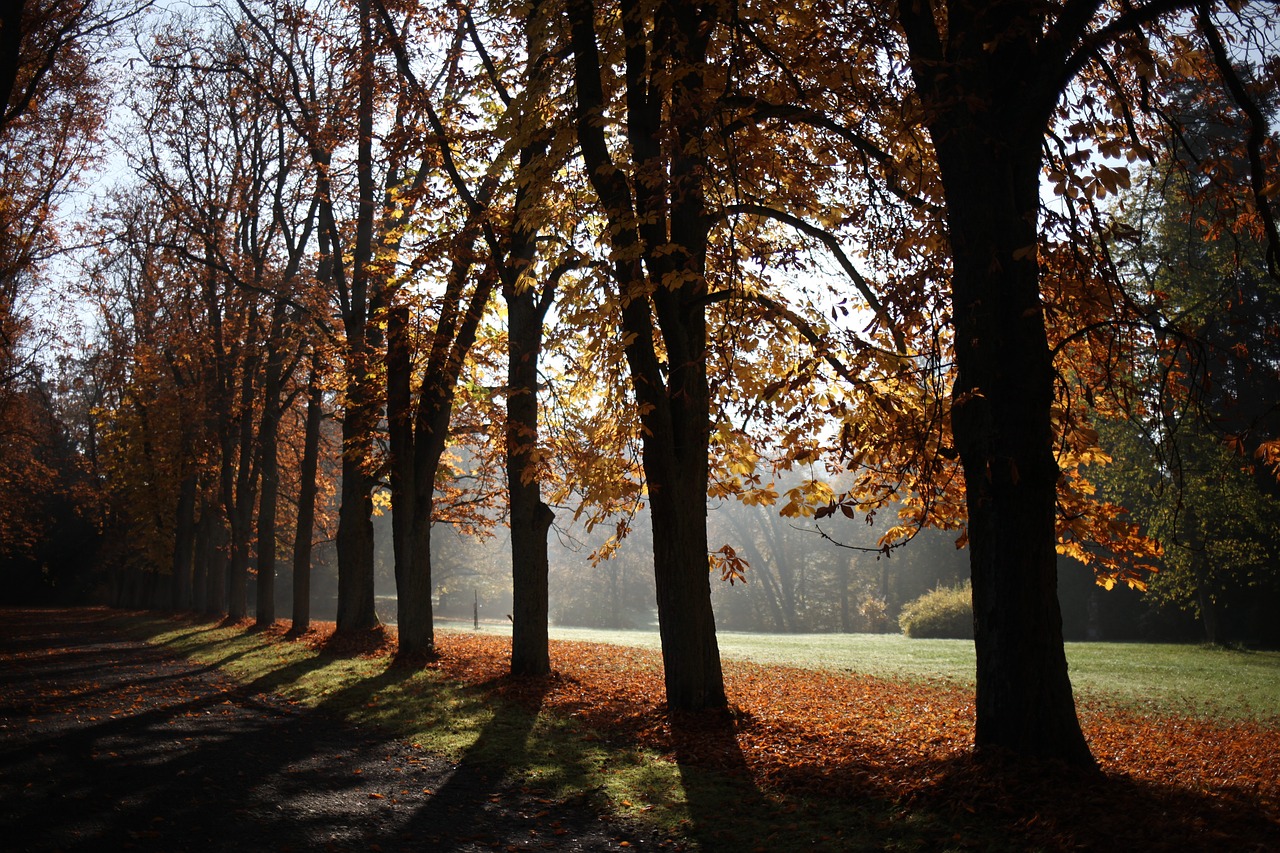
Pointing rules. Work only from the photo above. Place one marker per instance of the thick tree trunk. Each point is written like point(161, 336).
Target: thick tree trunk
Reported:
point(355, 529)
point(216, 576)
point(1001, 420)
point(202, 556)
point(413, 585)
point(1206, 606)
point(530, 518)
point(356, 610)
point(686, 623)
point(530, 653)
point(658, 230)
point(676, 442)
point(419, 432)
point(240, 507)
point(987, 97)
point(274, 377)
point(301, 613)
point(411, 543)
point(268, 448)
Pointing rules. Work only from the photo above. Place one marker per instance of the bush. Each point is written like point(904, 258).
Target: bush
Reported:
point(946, 612)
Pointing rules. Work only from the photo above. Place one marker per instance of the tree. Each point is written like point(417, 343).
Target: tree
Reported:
point(319, 65)
point(658, 229)
point(991, 79)
point(1205, 389)
point(301, 612)
point(52, 105)
point(527, 306)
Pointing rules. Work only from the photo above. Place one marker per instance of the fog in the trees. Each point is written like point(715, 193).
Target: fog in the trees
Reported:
point(798, 580)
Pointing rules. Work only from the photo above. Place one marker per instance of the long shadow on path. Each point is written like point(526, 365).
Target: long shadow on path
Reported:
point(132, 748)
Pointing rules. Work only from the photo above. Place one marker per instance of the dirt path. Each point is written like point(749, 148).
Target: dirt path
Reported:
point(109, 743)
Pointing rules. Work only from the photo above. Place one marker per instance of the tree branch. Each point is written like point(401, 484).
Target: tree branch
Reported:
point(833, 246)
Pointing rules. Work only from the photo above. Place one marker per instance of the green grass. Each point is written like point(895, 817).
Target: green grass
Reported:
point(1164, 678)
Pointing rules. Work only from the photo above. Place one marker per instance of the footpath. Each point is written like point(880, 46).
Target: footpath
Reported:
point(109, 743)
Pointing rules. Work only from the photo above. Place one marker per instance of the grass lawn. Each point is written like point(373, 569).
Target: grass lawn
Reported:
point(1163, 677)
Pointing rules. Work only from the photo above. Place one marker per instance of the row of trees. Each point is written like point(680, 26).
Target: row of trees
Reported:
point(592, 255)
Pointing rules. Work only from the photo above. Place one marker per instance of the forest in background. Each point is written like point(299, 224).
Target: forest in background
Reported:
point(303, 300)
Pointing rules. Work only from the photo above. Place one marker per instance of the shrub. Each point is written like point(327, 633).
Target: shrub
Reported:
point(874, 611)
point(946, 612)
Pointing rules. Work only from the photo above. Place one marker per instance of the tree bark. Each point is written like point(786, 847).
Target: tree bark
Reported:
point(268, 451)
point(415, 461)
point(202, 556)
point(241, 504)
point(662, 229)
point(530, 518)
point(355, 518)
point(989, 160)
point(356, 611)
point(414, 618)
point(216, 576)
point(301, 615)
point(184, 540)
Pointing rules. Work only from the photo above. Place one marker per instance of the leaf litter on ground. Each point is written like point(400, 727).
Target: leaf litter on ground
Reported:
point(1167, 782)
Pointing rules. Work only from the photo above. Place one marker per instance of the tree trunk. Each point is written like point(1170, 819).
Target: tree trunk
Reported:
point(415, 461)
point(686, 623)
point(526, 311)
point(1208, 615)
point(184, 541)
point(989, 160)
point(414, 618)
point(1001, 420)
point(301, 614)
point(530, 517)
point(216, 576)
point(355, 527)
point(268, 450)
point(202, 557)
point(419, 431)
point(240, 507)
point(413, 583)
point(659, 225)
point(356, 611)
point(1206, 606)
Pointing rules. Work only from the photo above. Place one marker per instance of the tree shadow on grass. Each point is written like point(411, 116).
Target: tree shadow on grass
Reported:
point(504, 787)
point(995, 801)
point(730, 810)
point(724, 803)
point(203, 766)
point(1050, 806)
point(469, 807)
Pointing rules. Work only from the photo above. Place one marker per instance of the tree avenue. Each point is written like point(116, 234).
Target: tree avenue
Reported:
point(845, 258)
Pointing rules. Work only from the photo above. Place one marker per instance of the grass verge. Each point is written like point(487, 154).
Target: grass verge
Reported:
point(1202, 681)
